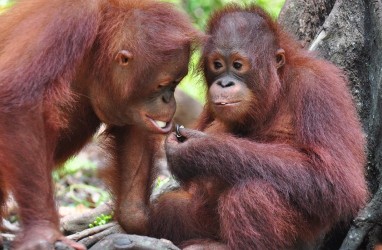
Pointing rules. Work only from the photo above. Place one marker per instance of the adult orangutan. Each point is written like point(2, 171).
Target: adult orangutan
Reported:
point(65, 67)
point(280, 155)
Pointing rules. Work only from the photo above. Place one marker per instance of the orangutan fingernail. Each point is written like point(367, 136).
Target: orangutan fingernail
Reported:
point(179, 136)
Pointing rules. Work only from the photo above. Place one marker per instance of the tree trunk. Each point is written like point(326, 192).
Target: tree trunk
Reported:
point(349, 33)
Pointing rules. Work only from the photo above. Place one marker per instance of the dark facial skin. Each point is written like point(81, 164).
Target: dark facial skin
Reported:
point(159, 106)
point(228, 93)
point(232, 70)
point(151, 106)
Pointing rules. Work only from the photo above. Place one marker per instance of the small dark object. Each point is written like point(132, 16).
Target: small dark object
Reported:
point(179, 136)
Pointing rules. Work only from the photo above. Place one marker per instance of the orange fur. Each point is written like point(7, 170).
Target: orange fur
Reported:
point(59, 79)
point(288, 169)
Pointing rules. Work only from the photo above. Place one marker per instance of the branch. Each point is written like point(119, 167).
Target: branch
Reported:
point(133, 242)
point(365, 221)
point(75, 223)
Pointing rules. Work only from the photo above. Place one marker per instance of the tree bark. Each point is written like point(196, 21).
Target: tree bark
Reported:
point(349, 33)
point(305, 17)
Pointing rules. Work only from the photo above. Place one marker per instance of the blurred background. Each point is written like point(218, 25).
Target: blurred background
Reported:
point(77, 185)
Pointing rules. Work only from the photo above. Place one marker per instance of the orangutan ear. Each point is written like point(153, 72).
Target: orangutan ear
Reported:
point(124, 57)
point(280, 58)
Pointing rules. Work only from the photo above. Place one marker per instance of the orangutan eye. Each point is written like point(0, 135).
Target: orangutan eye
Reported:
point(237, 65)
point(218, 65)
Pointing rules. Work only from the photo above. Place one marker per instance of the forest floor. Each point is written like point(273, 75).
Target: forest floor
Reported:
point(78, 187)
point(85, 207)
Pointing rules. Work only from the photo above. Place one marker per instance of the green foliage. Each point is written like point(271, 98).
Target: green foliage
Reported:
point(273, 7)
point(200, 10)
point(193, 82)
point(101, 220)
point(72, 166)
point(4, 4)
point(159, 182)
point(79, 170)
point(76, 194)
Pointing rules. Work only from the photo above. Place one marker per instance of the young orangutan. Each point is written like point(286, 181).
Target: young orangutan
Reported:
point(65, 67)
point(278, 156)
